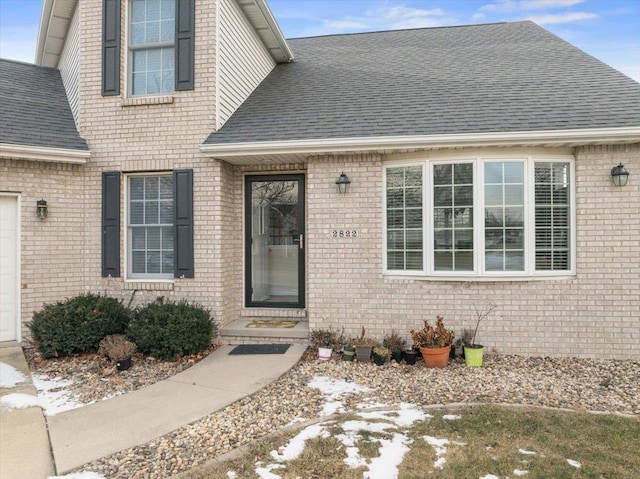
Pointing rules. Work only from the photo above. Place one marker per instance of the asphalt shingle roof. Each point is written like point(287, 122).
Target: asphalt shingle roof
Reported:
point(472, 79)
point(34, 110)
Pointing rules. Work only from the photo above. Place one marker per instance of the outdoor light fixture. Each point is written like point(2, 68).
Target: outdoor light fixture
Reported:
point(42, 210)
point(619, 175)
point(343, 183)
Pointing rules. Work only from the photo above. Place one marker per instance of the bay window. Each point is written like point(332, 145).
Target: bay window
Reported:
point(479, 217)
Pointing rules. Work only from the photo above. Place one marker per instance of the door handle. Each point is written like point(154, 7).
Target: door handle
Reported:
point(300, 241)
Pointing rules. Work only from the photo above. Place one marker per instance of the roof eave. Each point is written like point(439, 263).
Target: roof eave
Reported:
point(39, 153)
point(49, 46)
point(269, 32)
point(229, 151)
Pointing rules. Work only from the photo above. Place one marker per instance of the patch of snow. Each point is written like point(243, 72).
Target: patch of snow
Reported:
point(392, 452)
point(55, 398)
point(439, 463)
point(519, 472)
point(296, 445)
point(19, 401)
point(265, 472)
point(354, 459)
point(232, 475)
point(527, 453)
point(296, 420)
point(440, 449)
point(451, 417)
point(356, 426)
point(332, 407)
point(371, 405)
point(335, 388)
point(10, 376)
point(489, 476)
point(406, 416)
point(79, 475)
point(573, 463)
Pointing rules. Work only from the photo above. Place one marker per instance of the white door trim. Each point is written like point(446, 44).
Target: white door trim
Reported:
point(18, 318)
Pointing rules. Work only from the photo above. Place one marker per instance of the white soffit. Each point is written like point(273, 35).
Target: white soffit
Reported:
point(296, 150)
point(54, 24)
point(265, 25)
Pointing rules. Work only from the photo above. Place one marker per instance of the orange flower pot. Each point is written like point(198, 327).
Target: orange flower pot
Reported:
point(436, 357)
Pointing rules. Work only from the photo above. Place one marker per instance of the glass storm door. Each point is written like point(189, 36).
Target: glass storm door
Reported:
point(274, 241)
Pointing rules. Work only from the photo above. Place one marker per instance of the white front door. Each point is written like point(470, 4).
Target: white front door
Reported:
point(9, 257)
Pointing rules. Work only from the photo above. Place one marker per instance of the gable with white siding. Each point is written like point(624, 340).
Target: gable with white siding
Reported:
point(243, 60)
point(69, 66)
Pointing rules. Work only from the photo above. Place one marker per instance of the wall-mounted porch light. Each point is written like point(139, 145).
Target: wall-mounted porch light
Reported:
point(41, 209)
point(619, 175)
point(342, 184)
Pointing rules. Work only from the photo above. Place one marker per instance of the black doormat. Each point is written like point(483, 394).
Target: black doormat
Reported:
point(260, 349)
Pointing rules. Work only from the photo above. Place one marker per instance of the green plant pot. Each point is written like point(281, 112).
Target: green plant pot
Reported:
point(348, 355)
point(473, 355)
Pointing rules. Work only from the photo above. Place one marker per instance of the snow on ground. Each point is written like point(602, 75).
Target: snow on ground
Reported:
point(19, 401)
point(54, 396)
point(10, 376)
point(265, 472)
point(518, 472)
point(527, 453)
point(405, 417)
point(392, 452)
point(232, 475)
point(296, 445)
point(489, 476)
point(334, 389)
point(573, 463)
point(79, 475)
point(440, 449)
point(451, 417)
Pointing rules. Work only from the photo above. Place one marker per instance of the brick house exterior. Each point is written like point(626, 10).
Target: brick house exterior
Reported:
point(255, 114)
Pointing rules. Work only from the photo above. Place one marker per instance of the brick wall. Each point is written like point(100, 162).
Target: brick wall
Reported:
point(52, 249)
point(595, 314)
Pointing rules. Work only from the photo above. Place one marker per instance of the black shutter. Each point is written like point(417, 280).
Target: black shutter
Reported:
point(185, 42)
point(183, 217)
point(110, 47)
point(111, 224)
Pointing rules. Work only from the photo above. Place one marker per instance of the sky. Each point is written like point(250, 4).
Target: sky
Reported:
point(606, 29)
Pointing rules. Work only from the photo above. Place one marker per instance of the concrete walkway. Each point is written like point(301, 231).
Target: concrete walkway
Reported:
point(88, 433)
point(24, 443)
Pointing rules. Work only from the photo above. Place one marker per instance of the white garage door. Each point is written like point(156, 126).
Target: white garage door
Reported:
point(9, 268)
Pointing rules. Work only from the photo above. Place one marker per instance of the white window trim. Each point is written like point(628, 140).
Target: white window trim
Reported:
point(479, 273)
point(127, 64)
point(126, 236)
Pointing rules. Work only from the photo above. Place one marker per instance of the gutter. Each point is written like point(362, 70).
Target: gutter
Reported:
point(363, 144)
point(39, 153)
point(275, 29)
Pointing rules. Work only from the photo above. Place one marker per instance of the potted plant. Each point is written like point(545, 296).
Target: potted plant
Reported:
point(410, 355)
point(380, 354)
point(118, 349)
point(363, 346)
point(325, 341)
point(348, 352)
point(434, 343)
point(473, 352)
point(457, 350)
point(395, 344)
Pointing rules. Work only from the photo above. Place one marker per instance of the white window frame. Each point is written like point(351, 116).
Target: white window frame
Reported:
point(137, 278)
point(129, 56)
point(480, 273)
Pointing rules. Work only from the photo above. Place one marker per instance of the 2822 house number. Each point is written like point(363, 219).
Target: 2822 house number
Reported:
point(352, 233)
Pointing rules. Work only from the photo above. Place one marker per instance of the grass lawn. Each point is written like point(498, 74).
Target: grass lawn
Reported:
point(484, 442)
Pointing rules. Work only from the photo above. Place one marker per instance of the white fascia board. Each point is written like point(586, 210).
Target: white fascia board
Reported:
point(285, 54)
point(49, 47)
point(45, 19)
point(362, 144)
point(39, 153)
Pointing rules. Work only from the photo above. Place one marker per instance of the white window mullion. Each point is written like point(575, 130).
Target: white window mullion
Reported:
point(478, 218)
point(530, 218)
point(427, 219)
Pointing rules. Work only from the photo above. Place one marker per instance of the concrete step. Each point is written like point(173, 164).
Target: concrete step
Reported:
point(237, 332)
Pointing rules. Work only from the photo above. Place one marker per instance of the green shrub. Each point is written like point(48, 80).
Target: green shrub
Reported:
point(167, 330)
point(76, 325)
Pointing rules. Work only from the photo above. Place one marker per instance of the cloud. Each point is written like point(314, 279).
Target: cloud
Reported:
point(512, 6)
point(569, 17)
point(390, 18)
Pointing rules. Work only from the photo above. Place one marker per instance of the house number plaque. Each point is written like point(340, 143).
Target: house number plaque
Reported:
point(344, 233)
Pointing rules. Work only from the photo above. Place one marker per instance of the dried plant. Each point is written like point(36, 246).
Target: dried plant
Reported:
point(363, 340)
point(394, 342)
point(480, 315)
point(327, 338)
point(117, 347)
point(433, 337)
point(382, 351)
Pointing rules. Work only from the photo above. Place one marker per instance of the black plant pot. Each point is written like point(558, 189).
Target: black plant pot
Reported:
point(379, 360)
point(396, 356)
point(123, 364)
point(410, 356)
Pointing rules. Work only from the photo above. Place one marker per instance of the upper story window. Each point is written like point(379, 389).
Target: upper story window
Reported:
point(480, 217)
point(152, 47)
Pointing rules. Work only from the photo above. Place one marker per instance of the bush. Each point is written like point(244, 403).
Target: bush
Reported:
point(167, 330)
point(76, 325)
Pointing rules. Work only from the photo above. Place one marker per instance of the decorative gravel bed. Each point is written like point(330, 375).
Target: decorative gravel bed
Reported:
point(93, 377)
point(580, 384)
